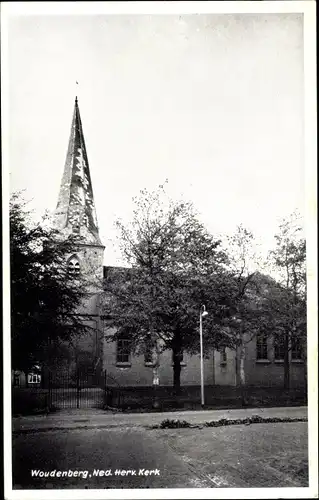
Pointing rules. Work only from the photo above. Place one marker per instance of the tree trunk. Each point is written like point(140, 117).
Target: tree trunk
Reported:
point(177, 375)
point(242, 366)
point(242, 374)
point(155, 376)
point(177, 358)
point(286, 363)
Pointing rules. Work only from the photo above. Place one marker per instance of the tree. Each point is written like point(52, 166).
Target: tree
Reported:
point(175, 267)
point(247, 282)
point(44, 300)
point(286, 305)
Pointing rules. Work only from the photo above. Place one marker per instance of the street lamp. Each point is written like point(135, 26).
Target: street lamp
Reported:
point(202, 314)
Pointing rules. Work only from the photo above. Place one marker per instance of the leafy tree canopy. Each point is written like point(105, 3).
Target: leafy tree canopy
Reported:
point(286, 301)
point(44, 300)
point(175, 267)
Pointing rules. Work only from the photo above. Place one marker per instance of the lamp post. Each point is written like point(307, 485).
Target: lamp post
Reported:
point(202, 314)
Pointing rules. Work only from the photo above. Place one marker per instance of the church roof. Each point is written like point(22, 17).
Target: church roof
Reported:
point(75, 211)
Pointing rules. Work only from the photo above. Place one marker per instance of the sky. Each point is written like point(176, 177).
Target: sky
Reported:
point(212, 102)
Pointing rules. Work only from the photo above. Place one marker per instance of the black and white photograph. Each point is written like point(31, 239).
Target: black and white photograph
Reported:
point(159, 213)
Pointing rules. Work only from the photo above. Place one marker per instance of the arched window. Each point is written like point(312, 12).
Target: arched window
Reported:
point(223, 356)
point(279, 349)
point(296, 348)
point(148, 354)
point(73, 266)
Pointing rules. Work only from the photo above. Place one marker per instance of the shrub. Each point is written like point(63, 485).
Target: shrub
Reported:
point(174, 424)
point(254, 419)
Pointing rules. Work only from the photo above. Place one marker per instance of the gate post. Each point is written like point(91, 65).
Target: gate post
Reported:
point(50, 402)
point(105, 389)
point(78, 388)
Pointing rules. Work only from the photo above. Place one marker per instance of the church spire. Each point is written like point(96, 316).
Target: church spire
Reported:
point(75, 211)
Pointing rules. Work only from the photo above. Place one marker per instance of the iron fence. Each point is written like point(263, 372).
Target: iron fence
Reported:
point(77, 389)
point(66, 389)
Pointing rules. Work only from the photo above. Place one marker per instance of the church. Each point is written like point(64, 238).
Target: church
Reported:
point(76, 214)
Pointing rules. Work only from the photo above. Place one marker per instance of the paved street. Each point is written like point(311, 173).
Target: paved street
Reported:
point(261, 455)
point(257, 455)
point(94, 449)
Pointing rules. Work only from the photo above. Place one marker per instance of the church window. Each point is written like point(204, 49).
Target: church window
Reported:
point(261, 347)
point(34, 378)
point(279, 348)
point(16, 380)
point(148, 354)
point(73, 267)
point(223, 356)
point(76, 228)
point(123, 349)
point(296, 348)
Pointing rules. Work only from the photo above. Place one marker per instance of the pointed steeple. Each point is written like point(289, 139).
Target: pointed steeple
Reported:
point(75, 211)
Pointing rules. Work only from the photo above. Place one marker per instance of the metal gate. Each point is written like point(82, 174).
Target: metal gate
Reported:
point(79, 389)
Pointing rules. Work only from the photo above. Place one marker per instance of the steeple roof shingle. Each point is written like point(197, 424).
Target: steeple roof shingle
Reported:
point(75, 211)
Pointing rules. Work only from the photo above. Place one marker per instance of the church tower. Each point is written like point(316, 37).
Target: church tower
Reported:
point(75, 214)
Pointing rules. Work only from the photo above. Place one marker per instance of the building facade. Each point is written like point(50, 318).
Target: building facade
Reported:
point(76, 214)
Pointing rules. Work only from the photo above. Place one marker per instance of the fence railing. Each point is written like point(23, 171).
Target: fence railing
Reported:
point(61, 390)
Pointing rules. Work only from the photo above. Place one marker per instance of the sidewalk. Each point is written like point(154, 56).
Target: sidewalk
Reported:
point(91, 418)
